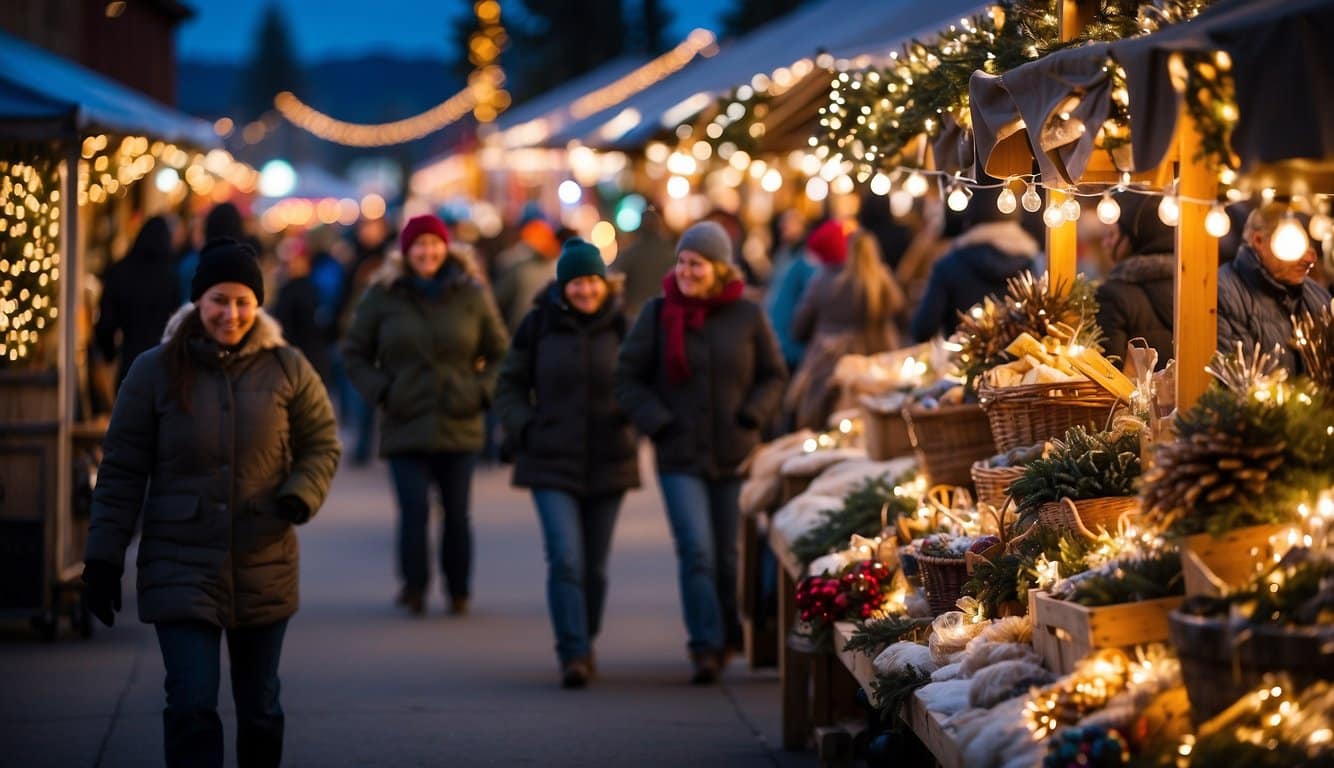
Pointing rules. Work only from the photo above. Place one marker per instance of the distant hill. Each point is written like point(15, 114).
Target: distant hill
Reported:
point(370, 89)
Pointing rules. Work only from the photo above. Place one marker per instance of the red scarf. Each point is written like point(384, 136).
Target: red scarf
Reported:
point(680, 312)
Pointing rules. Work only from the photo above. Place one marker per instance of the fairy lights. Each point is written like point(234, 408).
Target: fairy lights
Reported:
point(30, 256)
point(699, 41)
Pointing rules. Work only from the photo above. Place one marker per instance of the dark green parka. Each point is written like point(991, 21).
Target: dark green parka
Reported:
point(430, 363)
point(556, 401)
point(207, 480)
point(708, 424)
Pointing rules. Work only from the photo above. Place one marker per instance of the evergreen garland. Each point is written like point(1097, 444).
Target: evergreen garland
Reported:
point(893, 692)
point(860, 514)
point(1081, 465)
point(1125, 581)
point(872, 637)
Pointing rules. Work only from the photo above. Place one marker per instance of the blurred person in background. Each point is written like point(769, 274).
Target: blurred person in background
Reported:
point(425, 346)
point(223, 220)
point(139, 295)
point(993, 248)
point(699, 373)
point(848, 308)
point(576, 448)
point(645, 262)
point(1138, 296)
point(891, 235)
point(297, 308)
point(795, 263)
point(529, 273)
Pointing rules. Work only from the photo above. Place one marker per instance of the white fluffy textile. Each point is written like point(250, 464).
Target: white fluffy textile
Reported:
point(899, 656)
point(998, 737)
point(803, 513)
point(763, 482)
point(950, 633)
point(982, 654)
point(947, 697)
point(1002, 680)
point(947, 672)
point(812, 464)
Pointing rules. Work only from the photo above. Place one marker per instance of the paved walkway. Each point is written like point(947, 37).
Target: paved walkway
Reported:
point(364, 685)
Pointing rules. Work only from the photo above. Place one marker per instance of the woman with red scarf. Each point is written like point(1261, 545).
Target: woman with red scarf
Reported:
point(699, 373)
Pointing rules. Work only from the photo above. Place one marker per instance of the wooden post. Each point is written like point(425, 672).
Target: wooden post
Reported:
point(66, 382)
point(1063, 241)
point(1196, 312)
point(1062, 247)
point(794, 671)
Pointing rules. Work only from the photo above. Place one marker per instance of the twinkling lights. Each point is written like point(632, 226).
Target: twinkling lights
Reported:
point(699, 41)
point(30, 256)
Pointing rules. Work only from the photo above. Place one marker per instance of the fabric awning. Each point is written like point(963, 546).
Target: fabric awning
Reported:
point(1282, 66)
point(45, 96)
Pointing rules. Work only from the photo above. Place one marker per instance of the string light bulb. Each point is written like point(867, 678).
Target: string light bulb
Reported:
point(1053, 217)
point(901, 203)
point(1109, 211)
point(1289, 241)
point(1321, 226)
point(1169, 210)
point(880, 184)
point(958, 199)
point(1071, 208)
point(915, 184)
point(1031, 200)
point(1216, 221)
point(1006, 202)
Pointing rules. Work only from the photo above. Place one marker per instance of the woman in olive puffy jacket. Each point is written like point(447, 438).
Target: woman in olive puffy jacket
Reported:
point(425, 345)
point(576, 449)
point(699, 373)
point(222, 439)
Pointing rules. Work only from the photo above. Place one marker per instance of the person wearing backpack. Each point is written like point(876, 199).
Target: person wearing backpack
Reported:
point(575, 447)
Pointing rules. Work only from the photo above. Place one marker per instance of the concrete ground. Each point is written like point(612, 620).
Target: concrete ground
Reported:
point(364, 685)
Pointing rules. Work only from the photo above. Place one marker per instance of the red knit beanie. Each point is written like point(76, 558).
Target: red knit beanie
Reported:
point(829, 243)
point(418, 226)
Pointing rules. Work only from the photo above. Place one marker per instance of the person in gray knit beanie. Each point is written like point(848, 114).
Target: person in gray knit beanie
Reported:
point(708, 239)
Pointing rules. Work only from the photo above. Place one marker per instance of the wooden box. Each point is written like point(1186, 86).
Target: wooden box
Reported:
point(886, 434)
point(1065, 632)
point(1210, 563)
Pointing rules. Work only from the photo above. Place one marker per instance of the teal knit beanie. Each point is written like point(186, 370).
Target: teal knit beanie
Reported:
point(579, 258)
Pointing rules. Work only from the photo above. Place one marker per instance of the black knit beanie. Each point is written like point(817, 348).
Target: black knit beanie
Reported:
point(225, 260)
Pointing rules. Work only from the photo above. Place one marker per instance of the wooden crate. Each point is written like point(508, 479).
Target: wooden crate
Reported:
point(886, 434)
point(1065, 632)
point(1210, 563)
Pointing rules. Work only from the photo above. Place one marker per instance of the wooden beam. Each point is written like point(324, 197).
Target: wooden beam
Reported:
point(1074, 16)
point(1196, 310)
point(1062, 247)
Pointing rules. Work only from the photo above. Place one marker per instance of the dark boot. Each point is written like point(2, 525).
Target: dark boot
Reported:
point(412, 599)
point(707, 667)
point(575, 673)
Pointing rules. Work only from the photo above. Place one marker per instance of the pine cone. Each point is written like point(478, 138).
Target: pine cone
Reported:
point(1206, 469)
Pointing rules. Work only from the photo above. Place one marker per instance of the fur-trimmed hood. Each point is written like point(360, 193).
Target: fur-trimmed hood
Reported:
point(392, 269)
point(1144, 268)
point(1005, 236)
point(267, 333)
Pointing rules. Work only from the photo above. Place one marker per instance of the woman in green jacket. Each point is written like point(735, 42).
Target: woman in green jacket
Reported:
point(425, 346)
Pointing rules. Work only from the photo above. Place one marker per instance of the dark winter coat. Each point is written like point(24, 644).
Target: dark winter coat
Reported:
point(644, 263)
point(297, 310)
point(1253, 307)
point(1137, 299)
point(555, 399)
point(139, 295)
point(207, 480)
point(708, 424)
point(429, 363)
point(979, 263)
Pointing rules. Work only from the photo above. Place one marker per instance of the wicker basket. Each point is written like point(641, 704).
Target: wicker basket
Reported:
point(993, 483)
point(1033, 413)
point(1219, 665)
point(886, 434)
point(1085, 515)
point(943, 579)
point(948, 441)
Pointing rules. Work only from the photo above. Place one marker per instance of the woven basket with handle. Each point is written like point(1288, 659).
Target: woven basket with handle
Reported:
point(1033, 413)
point(948, 440)
point(1085, 516)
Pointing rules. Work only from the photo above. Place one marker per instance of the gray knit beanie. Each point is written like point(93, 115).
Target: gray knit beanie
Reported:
point(708, 239)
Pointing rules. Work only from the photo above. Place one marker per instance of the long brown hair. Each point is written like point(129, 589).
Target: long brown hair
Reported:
point(878, 293)
point(179, 361)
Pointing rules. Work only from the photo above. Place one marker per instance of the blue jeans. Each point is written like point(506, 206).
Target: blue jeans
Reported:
point(576, 534)
point(413, 474)
point(191, 726)
point(704, 517)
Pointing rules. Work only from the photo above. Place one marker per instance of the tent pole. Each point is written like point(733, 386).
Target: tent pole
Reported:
point(66, 386)
point(1196, 310)
point(1063, 241)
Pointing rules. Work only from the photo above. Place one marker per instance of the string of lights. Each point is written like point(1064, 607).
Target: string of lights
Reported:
point(697, 42)
point(484, 97)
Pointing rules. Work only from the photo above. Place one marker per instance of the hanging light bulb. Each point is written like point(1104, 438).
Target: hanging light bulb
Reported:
point(901, 203)
point(1216, 221)
point(1169, 210)
point(1321, 226)
point(1006, 202)
point(1032, 200)
point(915, 184)
point(958, 199)
point(1109, 211)
point(1053, 217)
point(1071, 208)
point(1289, 241)
point(880, 184)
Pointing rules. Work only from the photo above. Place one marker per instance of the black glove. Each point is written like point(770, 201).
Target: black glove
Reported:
point(292, 509)
point(102, 590)
point(746, 421)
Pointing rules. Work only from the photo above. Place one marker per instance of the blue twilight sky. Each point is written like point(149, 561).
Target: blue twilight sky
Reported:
point(225, 29)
